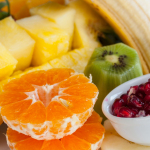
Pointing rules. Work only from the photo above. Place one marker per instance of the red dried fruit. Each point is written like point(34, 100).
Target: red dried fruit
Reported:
point(147, 88)
point(126, 112)
point(134, 101)
point(117, 104)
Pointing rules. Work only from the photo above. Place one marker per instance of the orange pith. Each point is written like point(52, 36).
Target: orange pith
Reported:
point(88, 137)
point(48, 104)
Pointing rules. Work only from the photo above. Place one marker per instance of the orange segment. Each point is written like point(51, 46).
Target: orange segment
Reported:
point(73, 103)
point(35, 114)
point(14, 136)
point(87, 90)
point(72, 142)
point(33, 3)
point(52, 145)
point(76, 79)
point(29, 144)
point(8, 98)
point(36, 78)
point(95, 118)
point(15, 8)
point(48, 104)
point(57, 75)
point(56, 111)
point(15, 110)
point(96, 132)
point(88, 137)
point(18, 85)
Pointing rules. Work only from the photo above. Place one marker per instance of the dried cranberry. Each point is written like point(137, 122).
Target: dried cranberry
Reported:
point(116, 105)
point(124, 97)
point(132, 90)
point(148, 80)
point(134, 101)
point(126, 112)
point(147, 88)
point(147, 98)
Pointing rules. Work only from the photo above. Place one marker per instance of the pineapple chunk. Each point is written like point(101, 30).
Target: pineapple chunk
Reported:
point(76, 59)
point(7, 63)
point(62, 15)
point(88, 24)
point(17, 41)
point(51, 41)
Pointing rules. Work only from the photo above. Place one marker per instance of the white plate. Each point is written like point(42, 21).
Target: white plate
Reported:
point(3, 144)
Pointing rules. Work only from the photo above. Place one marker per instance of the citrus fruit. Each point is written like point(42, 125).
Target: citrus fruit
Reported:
point(48, 104)
point(88, 137)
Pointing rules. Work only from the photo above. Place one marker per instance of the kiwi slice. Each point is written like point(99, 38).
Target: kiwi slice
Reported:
point(111, 66)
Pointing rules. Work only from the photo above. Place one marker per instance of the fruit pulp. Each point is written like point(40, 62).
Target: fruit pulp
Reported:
point(135, 103)
point(111, 66)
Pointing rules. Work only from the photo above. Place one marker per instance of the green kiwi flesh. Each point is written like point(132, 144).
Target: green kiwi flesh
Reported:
point(111, 66)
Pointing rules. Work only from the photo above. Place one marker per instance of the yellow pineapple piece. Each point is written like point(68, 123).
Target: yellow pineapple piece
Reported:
point(17, 42)
point(51, 41)
point(88, 25)
point(7, 63)
point(62, 15)
point(76, 59)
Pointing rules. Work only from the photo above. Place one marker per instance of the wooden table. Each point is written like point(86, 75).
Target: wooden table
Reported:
point(3, 144)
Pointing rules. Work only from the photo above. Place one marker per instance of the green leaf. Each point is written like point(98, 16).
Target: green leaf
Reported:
point(8, 5)
point(2, 4)
point(3, 15)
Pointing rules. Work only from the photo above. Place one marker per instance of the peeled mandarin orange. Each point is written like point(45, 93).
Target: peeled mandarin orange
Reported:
point(48, 104)
point(88, 137)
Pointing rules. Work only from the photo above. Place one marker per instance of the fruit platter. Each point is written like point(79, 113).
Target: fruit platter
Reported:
point(74, 75)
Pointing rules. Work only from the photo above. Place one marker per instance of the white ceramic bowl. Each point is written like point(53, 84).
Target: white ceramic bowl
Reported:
point(133, 129)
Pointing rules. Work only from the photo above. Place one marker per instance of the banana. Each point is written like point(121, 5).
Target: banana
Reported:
point(131, 21)
point(113, 141)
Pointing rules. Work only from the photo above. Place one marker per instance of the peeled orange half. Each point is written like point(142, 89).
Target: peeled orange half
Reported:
point(48, 104)
point(88, 137)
